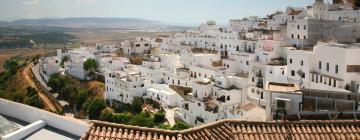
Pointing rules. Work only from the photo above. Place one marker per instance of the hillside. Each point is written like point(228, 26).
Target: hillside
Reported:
point(85, 22)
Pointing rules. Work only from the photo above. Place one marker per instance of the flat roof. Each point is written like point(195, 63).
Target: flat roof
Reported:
point(283, 87)
point(45, 132)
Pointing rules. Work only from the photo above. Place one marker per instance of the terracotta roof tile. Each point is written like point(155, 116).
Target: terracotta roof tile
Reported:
point(231, 129)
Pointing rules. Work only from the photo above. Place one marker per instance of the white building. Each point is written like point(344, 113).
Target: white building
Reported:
point(124, 86)
point(163, 94)
point(315, 69)
point(49, 66)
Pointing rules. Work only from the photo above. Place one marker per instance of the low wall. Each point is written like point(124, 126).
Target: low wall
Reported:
point(31, 114)
point(24, 131)
point(40, 83)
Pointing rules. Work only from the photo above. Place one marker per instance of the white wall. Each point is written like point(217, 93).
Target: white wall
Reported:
point(31, 114)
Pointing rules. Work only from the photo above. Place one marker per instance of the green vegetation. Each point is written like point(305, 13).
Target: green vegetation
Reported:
point(29, 40)
point(90, 64)
point(11, 66)
point(133, 114)
point(179, 125)
point(137, 104)
point(25, 95)
point(159, 117)
point(142, 119)
point(63, 60)
point(164, 126)
point(94, 107)
point(79, 98)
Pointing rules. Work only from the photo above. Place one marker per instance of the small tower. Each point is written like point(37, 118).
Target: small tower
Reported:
point(319, 1)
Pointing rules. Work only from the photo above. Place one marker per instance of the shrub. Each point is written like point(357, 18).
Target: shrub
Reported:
point(94, 107)
point(122, 118)
point(31, 91)
point(165, 127)
point(137, 105)
point(17, 97)
point(90, 64)
point(180, 126)
point(35, 101)
point(159, 117)
point(106, 115)
point(141, 119)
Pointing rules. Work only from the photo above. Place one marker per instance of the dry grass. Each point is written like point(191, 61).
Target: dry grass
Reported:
point(96, 87)
point(25, 53)
point(91, 37)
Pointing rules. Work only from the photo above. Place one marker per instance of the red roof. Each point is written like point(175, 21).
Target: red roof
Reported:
point(232, 130)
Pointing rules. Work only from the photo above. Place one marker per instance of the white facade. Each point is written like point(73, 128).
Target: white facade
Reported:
point(163, 94)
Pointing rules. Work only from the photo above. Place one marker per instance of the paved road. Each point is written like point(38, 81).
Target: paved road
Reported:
point(170, 115)
point(47, 102)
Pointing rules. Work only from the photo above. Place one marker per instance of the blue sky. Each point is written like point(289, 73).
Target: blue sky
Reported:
point(173, 11)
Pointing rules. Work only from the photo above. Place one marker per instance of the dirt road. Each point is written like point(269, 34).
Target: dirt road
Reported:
point(46, 101)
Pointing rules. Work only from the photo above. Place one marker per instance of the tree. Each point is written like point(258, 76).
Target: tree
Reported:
point(35, 101)
point(142, 120)
point(90, 64)
point(81, 97)
point(159, 117)
point(137, 104)
point(106, 115)
point(17, 97)
point(122, 118)
point(69, 93)
point(357, 3)
point(180, 126)
point(63, 60)
point(31, 91)
point(35, 59)
point(94, 107)
point(165, 126)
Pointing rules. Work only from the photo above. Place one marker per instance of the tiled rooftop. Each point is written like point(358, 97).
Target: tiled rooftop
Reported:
point(232, 130)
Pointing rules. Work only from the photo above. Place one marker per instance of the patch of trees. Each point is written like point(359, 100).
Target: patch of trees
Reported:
point(90, 64)
point(11, 66)
point(133, 114)
point(33, 98)
point(24, 41)
point(80, 99)
point(63, 60)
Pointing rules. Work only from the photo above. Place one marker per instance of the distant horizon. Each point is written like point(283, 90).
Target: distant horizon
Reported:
point(168, 11)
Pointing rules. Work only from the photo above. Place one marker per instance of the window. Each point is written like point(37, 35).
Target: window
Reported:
point(298, 26)
point(292, 73)
point(321, 79)
point(304, 36)
point(290, 61)
point(301, 62)
point(353, 68)
point(298, 36)
point(247, 62)
point(336, 69)
point(304, 27)
point(327, 67)
point(199, 104)
point(292, 35)
point(319, 65)
point(303, 75)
